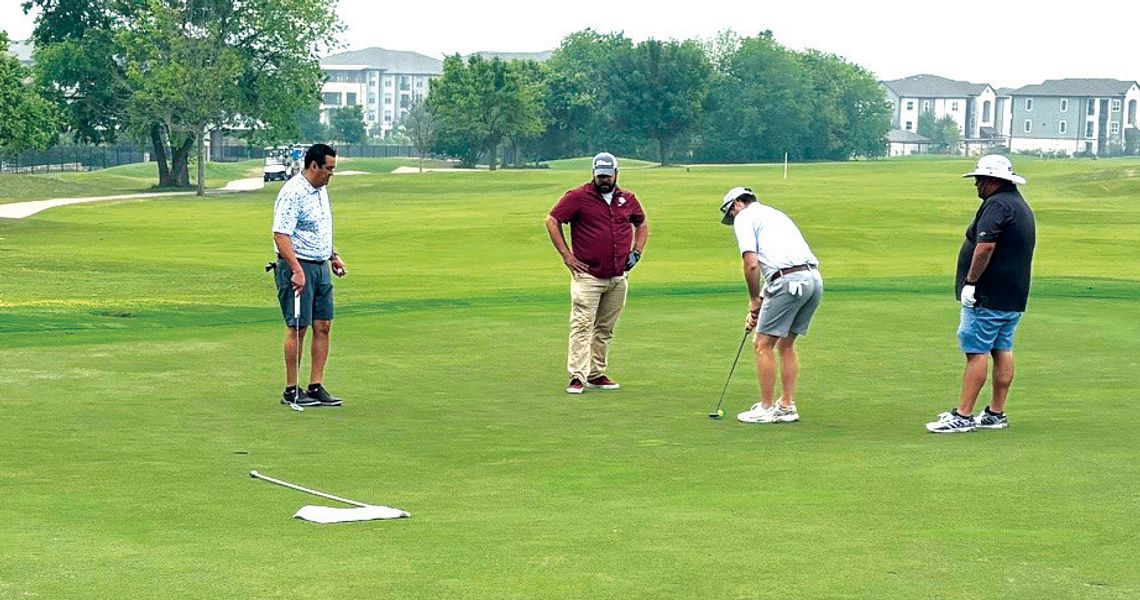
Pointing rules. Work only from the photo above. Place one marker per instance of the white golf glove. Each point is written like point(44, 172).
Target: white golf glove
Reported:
point(795, 288)
point(968, 296)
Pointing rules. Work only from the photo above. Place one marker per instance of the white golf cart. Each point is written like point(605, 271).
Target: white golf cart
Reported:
point(277, 164)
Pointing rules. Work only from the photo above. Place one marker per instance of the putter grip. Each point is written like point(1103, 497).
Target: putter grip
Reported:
point(297, 308)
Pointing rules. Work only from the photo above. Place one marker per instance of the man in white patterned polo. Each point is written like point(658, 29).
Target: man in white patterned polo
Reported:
point(306, 261)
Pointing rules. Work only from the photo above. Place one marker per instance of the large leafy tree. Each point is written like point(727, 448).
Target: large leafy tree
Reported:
point(579, 115)
point(850, 116)
point(170, 70)
point(346, 124)
point(479, 104)
point(658, 89)
point(27, 120)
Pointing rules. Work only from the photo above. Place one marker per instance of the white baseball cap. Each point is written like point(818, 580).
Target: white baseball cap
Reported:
point(731, 196)
point(605, 164)
point(997, 166)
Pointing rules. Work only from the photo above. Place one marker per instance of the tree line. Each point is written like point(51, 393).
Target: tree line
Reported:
point(728, 99)
point(166, 73)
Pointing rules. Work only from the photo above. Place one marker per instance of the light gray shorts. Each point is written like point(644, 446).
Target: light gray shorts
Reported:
point(789, 303)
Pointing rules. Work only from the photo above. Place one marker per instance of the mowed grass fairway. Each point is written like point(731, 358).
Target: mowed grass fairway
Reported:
point(142, 362)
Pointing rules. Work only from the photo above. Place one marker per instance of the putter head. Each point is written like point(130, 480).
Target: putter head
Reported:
point(714, 416)
point(297, 407)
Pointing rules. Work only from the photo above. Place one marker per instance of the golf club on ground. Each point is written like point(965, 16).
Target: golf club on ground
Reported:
point(716, 414)
point(296, 327)
point(293, 486)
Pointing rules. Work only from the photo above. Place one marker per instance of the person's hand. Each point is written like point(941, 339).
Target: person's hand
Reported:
point(631, 262)
point(338, 267)
point(575, 265)
point(968, 296)
point(753, 316)
point(298, 281)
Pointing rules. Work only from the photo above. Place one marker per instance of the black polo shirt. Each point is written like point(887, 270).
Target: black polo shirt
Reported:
point(1006, 219)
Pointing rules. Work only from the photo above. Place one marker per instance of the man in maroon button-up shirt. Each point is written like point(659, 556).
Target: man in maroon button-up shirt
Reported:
point(608, 232)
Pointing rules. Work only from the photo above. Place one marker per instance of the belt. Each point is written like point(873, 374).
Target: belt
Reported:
point(305, 260)
point(787, 271)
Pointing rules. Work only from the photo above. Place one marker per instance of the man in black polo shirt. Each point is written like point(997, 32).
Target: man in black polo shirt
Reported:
point(608, 231)
point(992, 283)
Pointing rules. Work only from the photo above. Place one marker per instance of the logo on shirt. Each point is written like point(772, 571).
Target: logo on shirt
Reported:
point(621, 200)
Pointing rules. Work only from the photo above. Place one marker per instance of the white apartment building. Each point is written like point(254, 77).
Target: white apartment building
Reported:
point(384, 83)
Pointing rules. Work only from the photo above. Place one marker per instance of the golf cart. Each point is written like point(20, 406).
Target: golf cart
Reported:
point(277, 163)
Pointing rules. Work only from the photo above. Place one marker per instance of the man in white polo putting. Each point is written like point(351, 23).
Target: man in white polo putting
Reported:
point(784, 290)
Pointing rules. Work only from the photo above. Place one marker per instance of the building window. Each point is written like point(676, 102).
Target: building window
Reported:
point(986, 111)
point(954, 106)
point(1063, 127)
point(1064, 105)
point(1132, 113)
point(419, 83)
point(926, 106)
point(1028, 126)
point(1116, 105)
point(387, 99)
point(405, 85)
point(1028, 104)
point(330, 98)
point(1092, 107)
point(350, 98)
point(1089, 129)
point(910, 125)
point(1114, 128)
point(909, 106)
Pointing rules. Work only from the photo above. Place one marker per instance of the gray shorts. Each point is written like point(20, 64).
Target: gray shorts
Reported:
point(785, 312)
point(316, 298)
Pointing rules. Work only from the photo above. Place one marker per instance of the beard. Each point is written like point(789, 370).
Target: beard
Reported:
point(605, 188)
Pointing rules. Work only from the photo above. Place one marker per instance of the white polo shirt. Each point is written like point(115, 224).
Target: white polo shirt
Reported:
point(774, 238)
point(302, 212)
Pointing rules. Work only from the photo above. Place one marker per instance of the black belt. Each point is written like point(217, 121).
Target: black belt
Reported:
point(305, 260)
point(787, 271)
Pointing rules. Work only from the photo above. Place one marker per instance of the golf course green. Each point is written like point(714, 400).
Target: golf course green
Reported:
point(142, 360)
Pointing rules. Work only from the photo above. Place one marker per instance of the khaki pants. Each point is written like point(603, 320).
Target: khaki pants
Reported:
point(595, 307)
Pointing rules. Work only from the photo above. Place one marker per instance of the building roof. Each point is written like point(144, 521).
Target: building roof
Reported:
point(508, 56)
point(393, 61)
point(933, 86)
point(900, 136)
point(1076, 87)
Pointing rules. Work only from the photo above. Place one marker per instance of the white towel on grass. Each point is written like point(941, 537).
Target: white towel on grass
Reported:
point(328, 514)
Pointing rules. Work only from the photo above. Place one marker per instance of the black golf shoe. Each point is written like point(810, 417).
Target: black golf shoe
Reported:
point(322, 396)
point(299, 397)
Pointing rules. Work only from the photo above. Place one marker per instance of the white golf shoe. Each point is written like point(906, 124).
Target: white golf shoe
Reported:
point(758, 414)
point(787, 415)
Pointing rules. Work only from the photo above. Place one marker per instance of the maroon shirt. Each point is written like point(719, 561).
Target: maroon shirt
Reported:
point(601, 235)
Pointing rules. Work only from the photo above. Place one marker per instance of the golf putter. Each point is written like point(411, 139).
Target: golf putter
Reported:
point(716, 413)
point(297, 327)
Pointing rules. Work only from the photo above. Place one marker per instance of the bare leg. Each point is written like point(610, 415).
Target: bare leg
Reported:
point(789, 369)
point(972, 382)
point(766, 368)
point(320, 350)
point(1003, 378)
point(292, 351)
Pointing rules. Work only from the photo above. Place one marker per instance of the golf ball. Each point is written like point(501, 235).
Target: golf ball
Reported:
point(720, 412)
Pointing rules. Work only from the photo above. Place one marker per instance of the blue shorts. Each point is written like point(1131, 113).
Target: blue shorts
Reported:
point(982, 330)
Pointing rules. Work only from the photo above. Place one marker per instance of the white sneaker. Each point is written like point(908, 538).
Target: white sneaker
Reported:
point(786, 415)
point(948, 422)
point(757, 414)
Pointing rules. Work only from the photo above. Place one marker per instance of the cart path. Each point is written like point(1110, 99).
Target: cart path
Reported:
point(20, 210)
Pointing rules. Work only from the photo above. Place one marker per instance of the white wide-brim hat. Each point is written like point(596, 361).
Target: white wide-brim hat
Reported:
point(996, 166)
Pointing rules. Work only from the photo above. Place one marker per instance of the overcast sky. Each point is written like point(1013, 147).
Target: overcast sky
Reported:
point(1006, 43)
